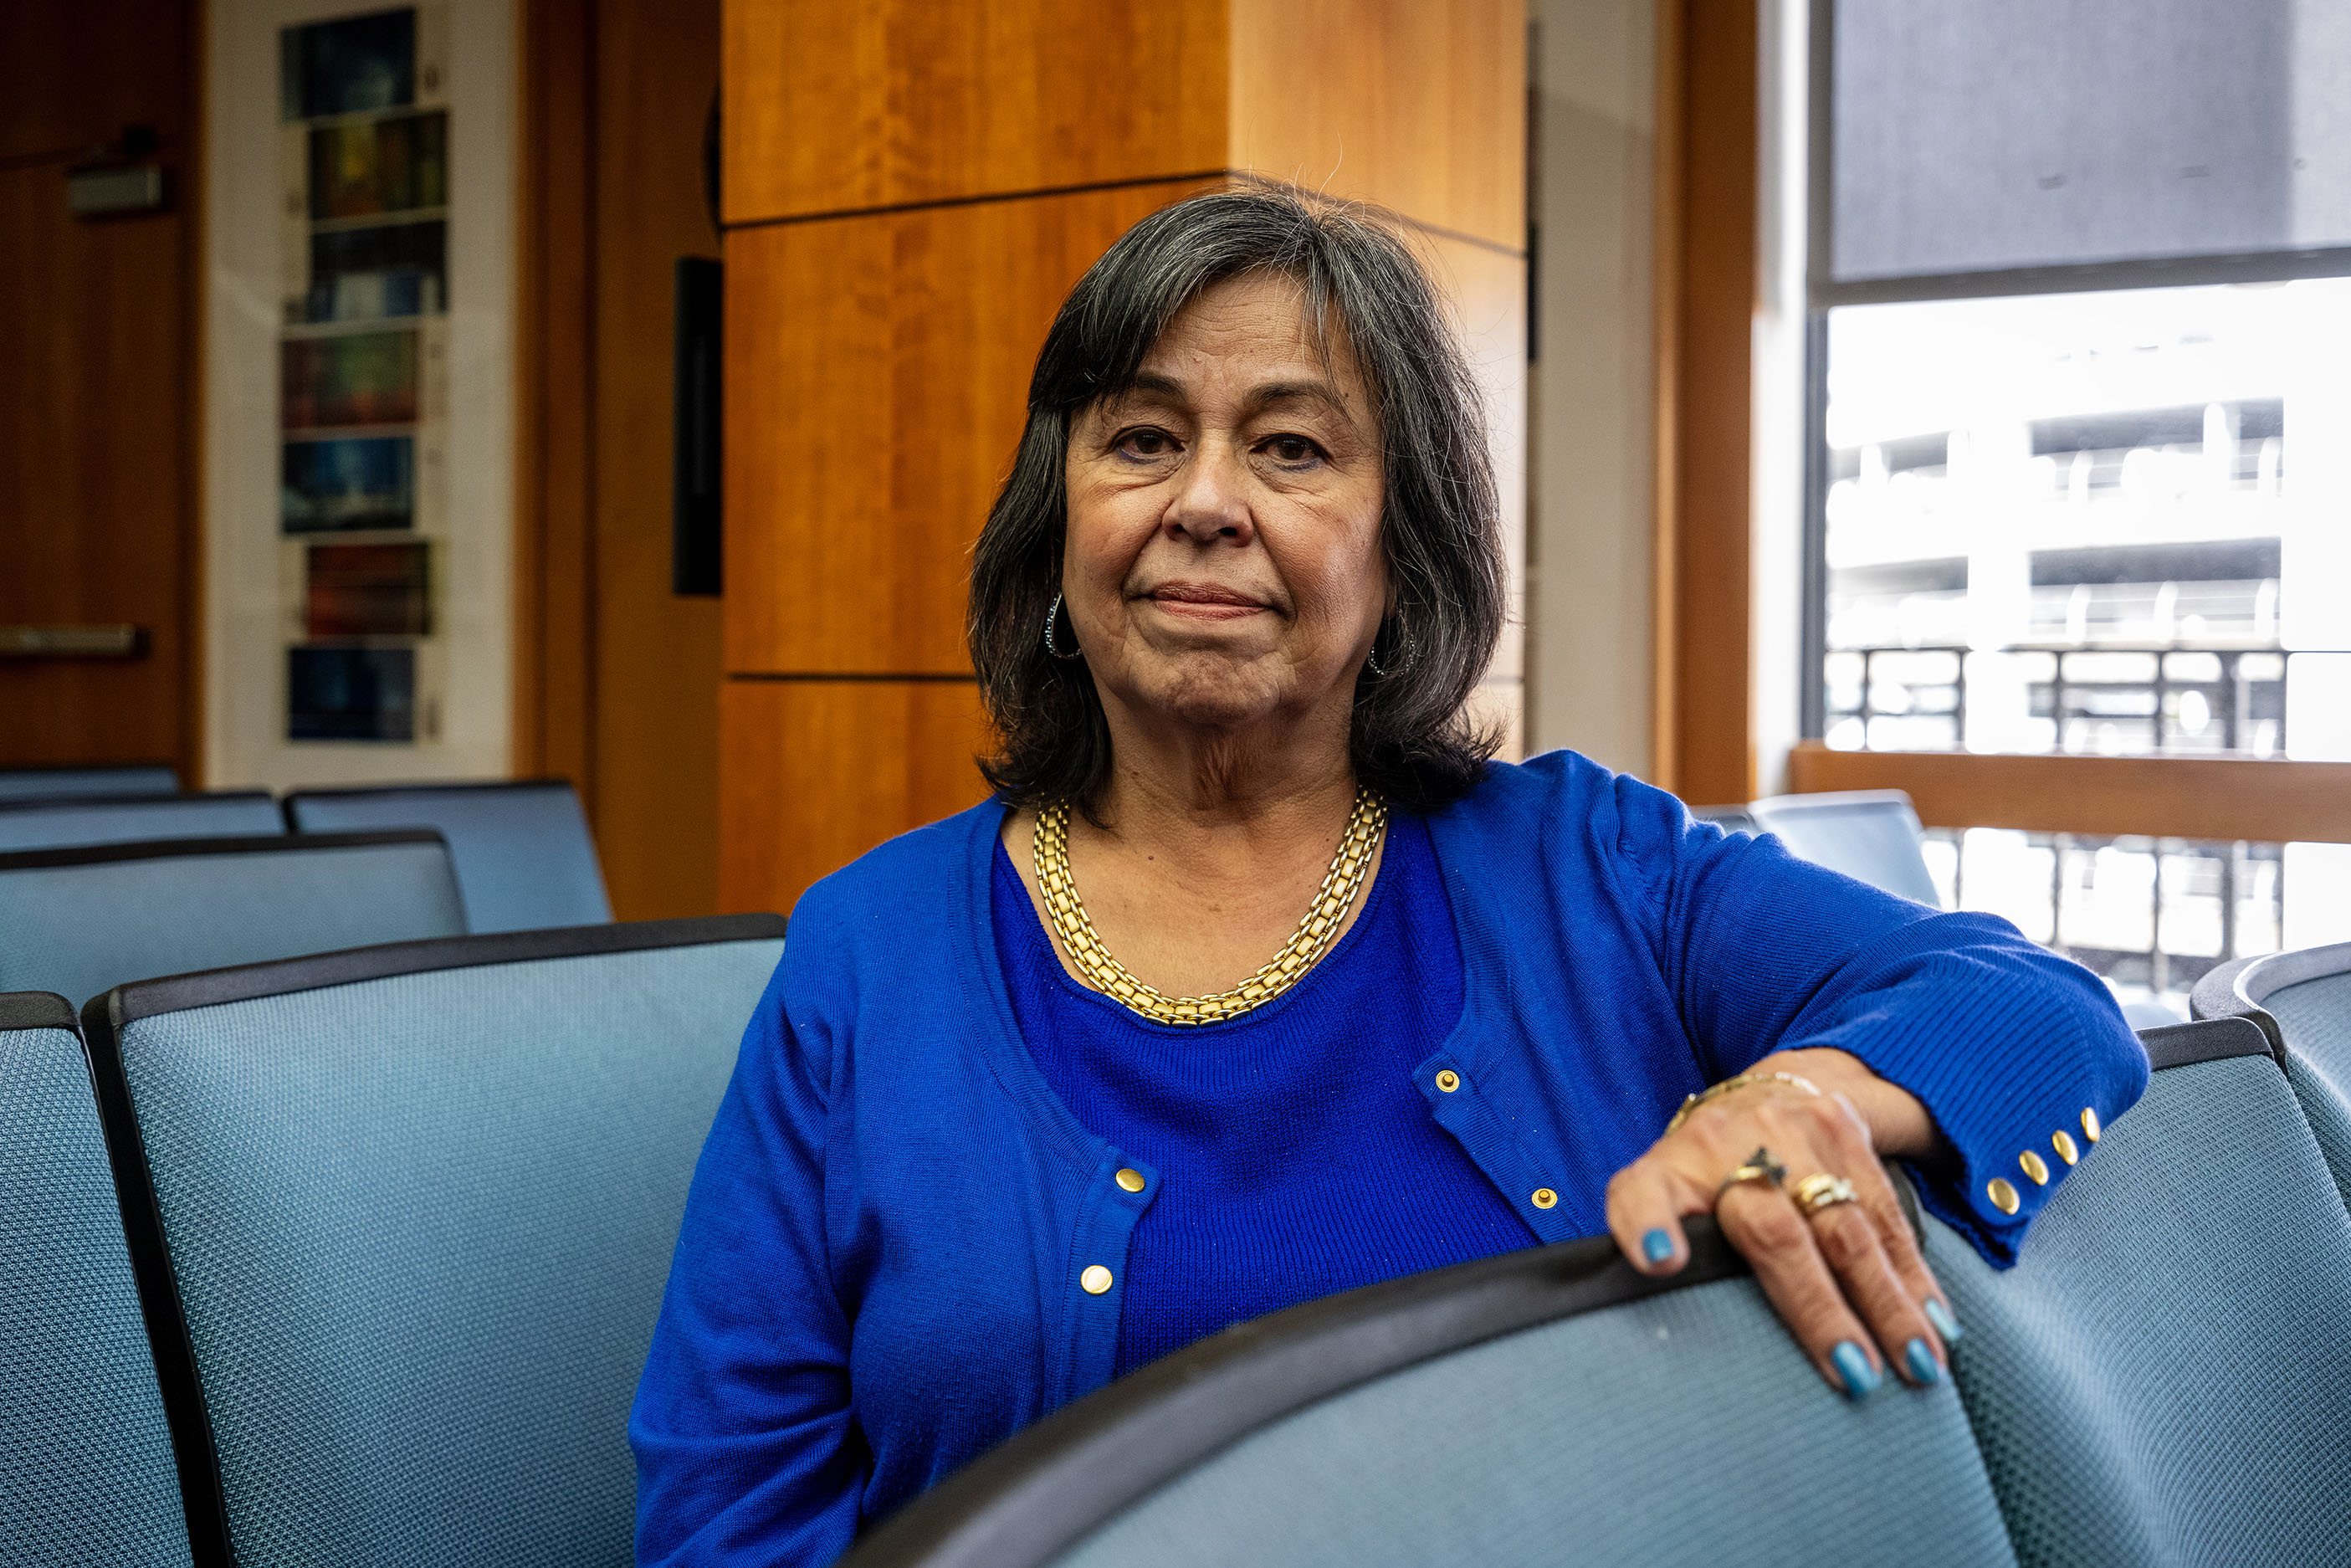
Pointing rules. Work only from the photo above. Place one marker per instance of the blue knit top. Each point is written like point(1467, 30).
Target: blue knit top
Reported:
point(1297, 1159)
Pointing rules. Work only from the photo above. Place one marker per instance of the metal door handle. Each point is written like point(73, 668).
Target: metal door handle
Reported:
point(119, 641)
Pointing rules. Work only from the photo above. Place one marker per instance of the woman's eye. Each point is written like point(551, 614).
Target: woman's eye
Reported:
point(1145, 442)
point(1292, 449)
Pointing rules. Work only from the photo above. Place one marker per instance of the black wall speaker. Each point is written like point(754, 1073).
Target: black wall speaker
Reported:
point(696, 551)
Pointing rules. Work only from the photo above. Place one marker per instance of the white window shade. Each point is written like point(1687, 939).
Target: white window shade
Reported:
point(2018, 135)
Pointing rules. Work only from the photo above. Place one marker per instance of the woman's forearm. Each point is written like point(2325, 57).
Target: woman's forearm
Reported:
point(1899, 1124)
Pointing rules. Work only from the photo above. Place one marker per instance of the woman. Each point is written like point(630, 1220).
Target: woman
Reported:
point(1028, 1105)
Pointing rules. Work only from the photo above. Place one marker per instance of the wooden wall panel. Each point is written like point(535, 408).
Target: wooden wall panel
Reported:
point(617, 679)
point(657, 654)
point(834, 105)
point(877, 373)
point(1706, 298)
point(98, 385)
point(1420, 108)
point(818, 772)
point(2266, 801)
point(554, 665)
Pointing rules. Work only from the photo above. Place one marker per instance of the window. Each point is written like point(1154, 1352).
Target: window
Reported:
point(2071, 523)
point(2080, 476)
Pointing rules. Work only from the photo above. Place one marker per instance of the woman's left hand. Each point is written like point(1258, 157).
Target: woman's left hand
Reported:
point(1836, 1255)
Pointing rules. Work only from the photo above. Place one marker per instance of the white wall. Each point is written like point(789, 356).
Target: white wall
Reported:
point(1589, 539)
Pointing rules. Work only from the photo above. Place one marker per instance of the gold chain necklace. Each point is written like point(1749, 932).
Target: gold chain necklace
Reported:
point(1313, 936)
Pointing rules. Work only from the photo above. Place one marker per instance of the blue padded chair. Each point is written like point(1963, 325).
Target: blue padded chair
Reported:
point(1545, 1406)
point(2161, 1378)
point(414, 1208)
point(73, 779)
point(86, 1473)
point(525, 859)
point(2302, 1000)
point(130, 819)
point(1871, 836)
point(78, 921)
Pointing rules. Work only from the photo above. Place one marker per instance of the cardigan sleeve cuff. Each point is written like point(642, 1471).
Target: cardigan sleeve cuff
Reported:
point(2018, 1111)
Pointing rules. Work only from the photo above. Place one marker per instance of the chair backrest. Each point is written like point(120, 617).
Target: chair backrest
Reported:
point(1549, 1406)
point(130, 818)
point(1871, 836)
point(78, 921)
point(72, 779)
point(414, 1208)
point(2302, 1000)
point(2161, 1377)
point(86, 1473)
point(525, 859)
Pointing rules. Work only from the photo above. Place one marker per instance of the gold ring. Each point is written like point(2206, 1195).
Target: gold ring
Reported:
point(1821, 1191)
point(1760, 1166)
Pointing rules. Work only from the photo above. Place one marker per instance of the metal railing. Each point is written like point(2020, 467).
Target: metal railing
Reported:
point(2143, 913)
point(2134, 699)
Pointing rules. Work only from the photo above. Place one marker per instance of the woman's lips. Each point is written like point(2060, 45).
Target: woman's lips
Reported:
point(1203, 602)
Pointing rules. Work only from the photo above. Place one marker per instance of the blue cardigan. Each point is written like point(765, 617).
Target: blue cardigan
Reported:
point(880, 1270)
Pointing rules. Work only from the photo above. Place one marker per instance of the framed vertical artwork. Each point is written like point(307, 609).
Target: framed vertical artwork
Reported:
point(359, 433)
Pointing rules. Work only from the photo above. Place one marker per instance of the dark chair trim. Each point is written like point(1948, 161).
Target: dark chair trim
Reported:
point(316, 971)
point(423, 787)
point(193, 1454)
point(15, 767)
point(194, 1450)
point(28, 804)
point(2239, 989)
point(37, 1009)
point(1049, 1485)
point(436, 786)
point(243, 844)
point(2208, 1040)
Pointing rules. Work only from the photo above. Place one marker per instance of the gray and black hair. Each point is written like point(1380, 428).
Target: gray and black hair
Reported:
point(1412, 740)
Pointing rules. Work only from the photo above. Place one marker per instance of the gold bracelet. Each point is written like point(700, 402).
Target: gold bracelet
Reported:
point(1716, 1090)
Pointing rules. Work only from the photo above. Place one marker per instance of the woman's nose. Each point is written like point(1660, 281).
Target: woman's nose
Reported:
point(1210, 504)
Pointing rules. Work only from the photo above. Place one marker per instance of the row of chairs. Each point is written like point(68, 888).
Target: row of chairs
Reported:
point(522, 851)
point(64, 781)
point(355, 1257)
point(105, 889)
point(1871, 836)
point(352, 1257)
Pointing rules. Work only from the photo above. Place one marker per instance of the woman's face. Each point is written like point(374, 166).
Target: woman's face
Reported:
point(1223, 563)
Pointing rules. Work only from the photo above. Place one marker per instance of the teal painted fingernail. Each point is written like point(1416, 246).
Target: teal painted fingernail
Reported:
point(1945, 1324)
point(1924, 1367)
point(1861, 1379)
point(1657, 1247)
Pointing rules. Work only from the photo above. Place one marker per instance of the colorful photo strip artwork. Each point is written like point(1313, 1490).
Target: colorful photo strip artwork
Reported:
point(371, 167)
point(363, 239)
point(344, 483)
point(351, 694)
point(364, 377)
point(369, 590)
point(387, 270)
point(353, 65)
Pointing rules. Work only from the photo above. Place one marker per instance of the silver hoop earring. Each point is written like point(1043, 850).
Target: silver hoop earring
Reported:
point(1053, 614)
point(1400, 655)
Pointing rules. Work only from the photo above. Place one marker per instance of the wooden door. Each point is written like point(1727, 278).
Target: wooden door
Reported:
point(97, 384)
